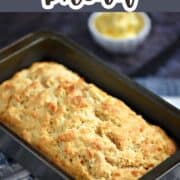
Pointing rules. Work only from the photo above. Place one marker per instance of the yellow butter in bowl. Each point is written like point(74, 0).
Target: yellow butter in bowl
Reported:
point(119, 32)
point(119, 25)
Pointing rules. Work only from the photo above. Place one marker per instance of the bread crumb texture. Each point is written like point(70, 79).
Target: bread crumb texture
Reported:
point(82, 129)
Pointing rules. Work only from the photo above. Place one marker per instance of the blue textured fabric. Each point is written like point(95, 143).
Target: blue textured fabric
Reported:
point(3, 160)
point(161, 86)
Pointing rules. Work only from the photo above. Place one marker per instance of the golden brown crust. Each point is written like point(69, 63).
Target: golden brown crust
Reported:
point(83, 130)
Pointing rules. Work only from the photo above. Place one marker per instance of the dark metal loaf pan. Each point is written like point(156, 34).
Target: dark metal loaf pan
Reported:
point(50, 46)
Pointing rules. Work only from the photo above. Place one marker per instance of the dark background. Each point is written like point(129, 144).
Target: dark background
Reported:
point(159, 56)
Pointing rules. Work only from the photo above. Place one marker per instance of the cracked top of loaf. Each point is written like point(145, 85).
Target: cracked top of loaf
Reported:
point(79, 127)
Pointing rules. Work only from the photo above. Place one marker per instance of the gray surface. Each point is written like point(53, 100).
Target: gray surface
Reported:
point(35, 6)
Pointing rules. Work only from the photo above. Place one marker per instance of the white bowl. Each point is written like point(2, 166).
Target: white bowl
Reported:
point(119, 45)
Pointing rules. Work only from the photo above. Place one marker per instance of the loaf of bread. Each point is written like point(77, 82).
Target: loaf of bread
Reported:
point(80, 128)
